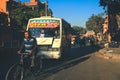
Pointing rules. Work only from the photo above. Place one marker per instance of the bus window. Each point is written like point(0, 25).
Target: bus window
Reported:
point(57, 34)
point(42, 34)
point(35, 32)
point(45, 32)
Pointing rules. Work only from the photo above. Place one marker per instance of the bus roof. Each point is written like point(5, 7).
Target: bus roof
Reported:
point(45, 17)
point(50, 17)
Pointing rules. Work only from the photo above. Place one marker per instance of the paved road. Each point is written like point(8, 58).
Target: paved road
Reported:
point(81, 64)
point(85, 67)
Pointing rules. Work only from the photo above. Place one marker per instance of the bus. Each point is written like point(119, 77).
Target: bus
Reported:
point(53, 36)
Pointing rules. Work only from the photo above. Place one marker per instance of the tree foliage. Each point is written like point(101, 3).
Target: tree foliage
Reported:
point(20, 14)
point(78, 30)
point(95, 23)
point(111, 5)
point(108, 2)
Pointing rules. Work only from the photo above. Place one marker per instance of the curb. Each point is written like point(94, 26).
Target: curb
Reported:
point(108, 54)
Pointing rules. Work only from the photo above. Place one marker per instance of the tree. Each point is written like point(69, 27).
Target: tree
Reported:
point(78, 30)
point(20, 15)
point(113, 11)
point(107, 2)
point(111, 5)
point(95, 23)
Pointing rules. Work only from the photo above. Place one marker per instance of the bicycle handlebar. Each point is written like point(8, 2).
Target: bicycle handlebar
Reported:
point(25, 53)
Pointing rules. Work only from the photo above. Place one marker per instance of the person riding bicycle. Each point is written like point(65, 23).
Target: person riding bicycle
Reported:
point(29, 46)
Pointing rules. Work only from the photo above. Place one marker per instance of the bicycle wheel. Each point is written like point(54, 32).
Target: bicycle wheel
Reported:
point(1, 78)
point(19, 72)
point(15, 72)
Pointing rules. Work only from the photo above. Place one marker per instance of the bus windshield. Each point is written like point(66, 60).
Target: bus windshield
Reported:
point(44, 28)
point(45, 32)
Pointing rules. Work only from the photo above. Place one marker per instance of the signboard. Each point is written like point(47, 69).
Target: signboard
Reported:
point(56, 43)
point(43, 23)
point(44, 41)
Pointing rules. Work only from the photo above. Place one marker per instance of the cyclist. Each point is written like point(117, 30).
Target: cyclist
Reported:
point(29, 46)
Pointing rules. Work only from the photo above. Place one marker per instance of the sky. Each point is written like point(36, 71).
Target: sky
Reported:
point(76, 12)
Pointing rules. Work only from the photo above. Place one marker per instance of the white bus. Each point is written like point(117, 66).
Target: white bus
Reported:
point(52, 35)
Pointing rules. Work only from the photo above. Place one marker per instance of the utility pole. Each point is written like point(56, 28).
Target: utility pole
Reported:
point(46, 7)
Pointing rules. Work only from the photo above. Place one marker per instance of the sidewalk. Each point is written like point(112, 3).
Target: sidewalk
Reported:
point(109, 53)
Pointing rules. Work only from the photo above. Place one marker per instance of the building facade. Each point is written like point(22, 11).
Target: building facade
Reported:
point(3, 6)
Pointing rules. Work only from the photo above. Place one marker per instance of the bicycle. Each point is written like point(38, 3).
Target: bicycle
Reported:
point(1, 78)
point(21, 70)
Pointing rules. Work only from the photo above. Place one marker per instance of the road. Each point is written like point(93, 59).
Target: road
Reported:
point(85, 66)
point(81, 64)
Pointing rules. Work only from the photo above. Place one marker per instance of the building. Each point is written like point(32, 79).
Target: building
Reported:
point(4, 17)
point(89, 33)
point(41, 6)
point(32, 3)
point(3, 5)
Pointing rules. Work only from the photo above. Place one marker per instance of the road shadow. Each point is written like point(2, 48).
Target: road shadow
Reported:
point(59, 67)
point(50, 67)
point(76, 52)
point(69, 59)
